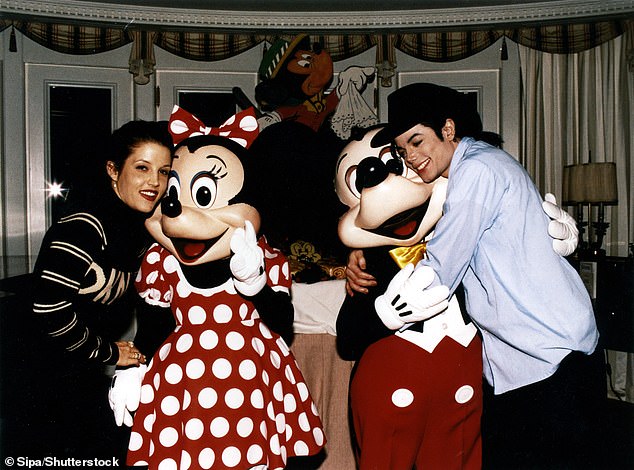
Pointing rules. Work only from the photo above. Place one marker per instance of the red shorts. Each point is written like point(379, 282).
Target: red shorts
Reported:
point(415, 408)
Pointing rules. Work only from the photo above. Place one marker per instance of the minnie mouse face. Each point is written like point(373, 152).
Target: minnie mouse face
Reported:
point(196, 218)
point(388, 203)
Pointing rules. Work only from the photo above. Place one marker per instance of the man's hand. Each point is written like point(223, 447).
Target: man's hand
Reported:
point(357, 279)
point(125, 393)
point(247, 262)
point(407, 299)
point(562, 228)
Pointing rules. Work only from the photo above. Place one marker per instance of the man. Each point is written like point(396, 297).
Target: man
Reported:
point(531, 307)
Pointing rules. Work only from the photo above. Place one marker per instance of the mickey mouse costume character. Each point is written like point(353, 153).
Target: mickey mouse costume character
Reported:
point(543, 370)
point(223, 391)
point(416, 390)
point(415, 393)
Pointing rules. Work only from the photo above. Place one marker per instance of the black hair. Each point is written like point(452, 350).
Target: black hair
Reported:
point(131, 135)
point(431, 105)
point(464, 128)
point(92, 182)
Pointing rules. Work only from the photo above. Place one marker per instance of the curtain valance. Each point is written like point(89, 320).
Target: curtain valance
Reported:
point(435, 46)
point(72, 38)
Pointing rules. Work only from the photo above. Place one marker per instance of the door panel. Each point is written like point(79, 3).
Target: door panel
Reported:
point(174, 85)
point(41, 80)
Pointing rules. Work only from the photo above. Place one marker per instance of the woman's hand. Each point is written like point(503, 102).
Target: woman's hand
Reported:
point(129, 355)
point(357, 280)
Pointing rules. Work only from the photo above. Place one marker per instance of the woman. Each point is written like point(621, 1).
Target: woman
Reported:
point(83, 295)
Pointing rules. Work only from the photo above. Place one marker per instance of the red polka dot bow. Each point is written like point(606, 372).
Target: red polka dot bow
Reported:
point(241, 127)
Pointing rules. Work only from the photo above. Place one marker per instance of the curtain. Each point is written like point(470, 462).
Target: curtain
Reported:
point(74, 38)
point(435, 46)
point(621, 379)
point(448, 46)
point(578, 108)
point(567, 38)
point(205, 46)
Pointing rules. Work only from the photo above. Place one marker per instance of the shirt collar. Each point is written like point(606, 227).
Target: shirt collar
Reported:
point(460, 151)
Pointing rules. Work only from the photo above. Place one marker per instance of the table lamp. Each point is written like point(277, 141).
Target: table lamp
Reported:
point(591, 184)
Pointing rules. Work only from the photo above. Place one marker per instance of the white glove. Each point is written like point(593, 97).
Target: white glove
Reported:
point(267, 119)
point(407, 300)
point(562, 228)
point(353, 75)
point(125, 393)
point(247, 263)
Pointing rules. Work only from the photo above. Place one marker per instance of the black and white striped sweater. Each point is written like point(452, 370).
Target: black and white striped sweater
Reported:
point(83, 294)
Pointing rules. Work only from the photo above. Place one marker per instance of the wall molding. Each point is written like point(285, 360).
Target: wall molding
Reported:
point(130, 15)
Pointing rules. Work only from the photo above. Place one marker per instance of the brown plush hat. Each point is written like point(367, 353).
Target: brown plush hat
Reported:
point(430, 105)
point(278, 53)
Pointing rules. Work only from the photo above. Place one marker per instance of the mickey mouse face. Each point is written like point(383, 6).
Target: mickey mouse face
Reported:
point(388, 203)
point(196, 218)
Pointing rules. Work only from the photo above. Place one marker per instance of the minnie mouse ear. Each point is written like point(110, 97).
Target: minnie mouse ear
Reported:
point(241, 127)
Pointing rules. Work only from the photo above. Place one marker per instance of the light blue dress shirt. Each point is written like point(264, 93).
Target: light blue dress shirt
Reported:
point(529, 303)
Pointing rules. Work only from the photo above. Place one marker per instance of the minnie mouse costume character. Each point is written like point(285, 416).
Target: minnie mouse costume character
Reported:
point(223, 391)
point(415, 393)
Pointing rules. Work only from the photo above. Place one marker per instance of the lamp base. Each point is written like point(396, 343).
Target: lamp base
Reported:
point(597, 253)
point(589, 253)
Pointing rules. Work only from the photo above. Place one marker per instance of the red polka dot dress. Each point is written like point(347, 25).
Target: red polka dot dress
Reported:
point(223, 391)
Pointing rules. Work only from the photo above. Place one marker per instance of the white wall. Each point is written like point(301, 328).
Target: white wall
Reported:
point(17, 250)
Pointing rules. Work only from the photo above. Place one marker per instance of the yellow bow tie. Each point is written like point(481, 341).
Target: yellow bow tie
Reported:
point(403, 255)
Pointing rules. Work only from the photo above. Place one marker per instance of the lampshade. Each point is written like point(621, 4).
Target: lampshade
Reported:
point(601, 184)
point(590, 183)
point(573, 187)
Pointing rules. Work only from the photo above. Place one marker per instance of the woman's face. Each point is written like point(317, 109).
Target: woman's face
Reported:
point(142, 180)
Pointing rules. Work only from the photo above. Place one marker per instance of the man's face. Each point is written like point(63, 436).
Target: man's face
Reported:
point(425, 153)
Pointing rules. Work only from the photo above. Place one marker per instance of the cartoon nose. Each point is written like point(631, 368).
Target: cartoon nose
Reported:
point(171, 207)
point(371, 172)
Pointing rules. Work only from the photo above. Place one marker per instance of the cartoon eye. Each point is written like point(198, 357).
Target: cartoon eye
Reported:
point(173, 186)
point(351, 181)
point(204, 190)
point(304, 62)
point(371, 172)
point(393, 162)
